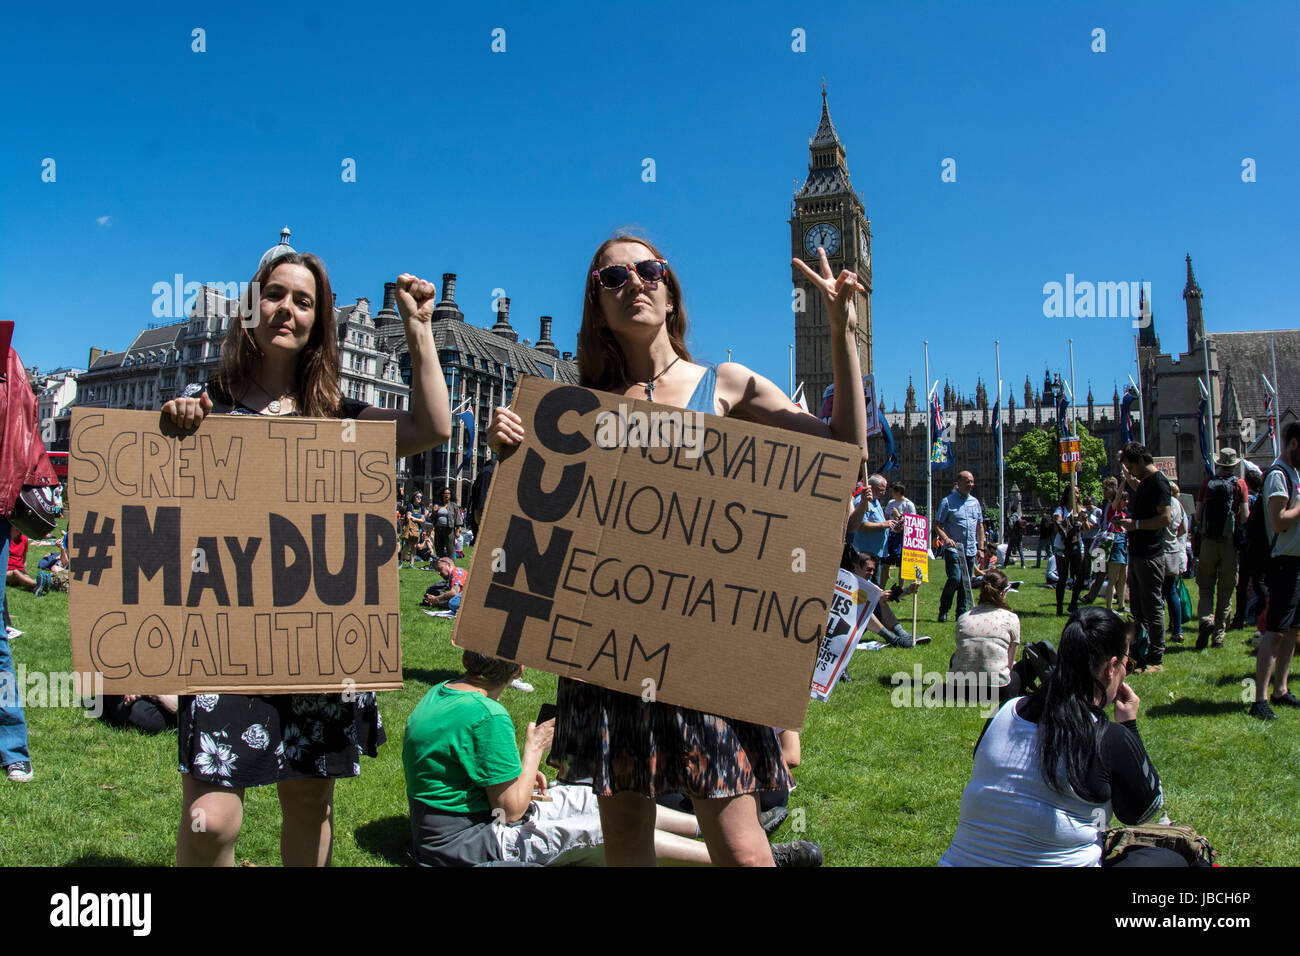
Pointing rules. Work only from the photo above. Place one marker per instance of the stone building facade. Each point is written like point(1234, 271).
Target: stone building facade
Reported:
point(1237, 360)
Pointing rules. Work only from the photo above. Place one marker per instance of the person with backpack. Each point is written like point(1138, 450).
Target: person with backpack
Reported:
point(1250, 570)
point(1221, 506)
point(1281, 519)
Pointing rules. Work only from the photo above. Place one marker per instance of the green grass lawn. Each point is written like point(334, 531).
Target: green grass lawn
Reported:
point(879, 785)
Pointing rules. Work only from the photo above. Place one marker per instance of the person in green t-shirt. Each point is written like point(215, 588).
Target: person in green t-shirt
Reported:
point(473, 800)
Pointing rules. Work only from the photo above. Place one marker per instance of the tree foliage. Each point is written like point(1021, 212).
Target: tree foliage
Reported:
point(1035, 463)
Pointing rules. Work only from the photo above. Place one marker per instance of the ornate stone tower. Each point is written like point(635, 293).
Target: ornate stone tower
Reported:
point(827, 212)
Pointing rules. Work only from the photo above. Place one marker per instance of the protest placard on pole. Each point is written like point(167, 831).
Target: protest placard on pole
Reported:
point(853, 604)
point(1071, 456)
point(1167, 465)
point(252, 555)
point(676, 556)
point(915, 566)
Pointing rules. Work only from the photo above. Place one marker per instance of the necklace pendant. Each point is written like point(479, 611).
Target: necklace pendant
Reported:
point(650, 391)
point(273, 407)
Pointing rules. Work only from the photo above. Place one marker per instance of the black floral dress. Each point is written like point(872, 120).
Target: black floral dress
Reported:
point(249, 740)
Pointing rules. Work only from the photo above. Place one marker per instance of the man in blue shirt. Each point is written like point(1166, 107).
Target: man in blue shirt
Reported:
point(869, 524)
point(959, 531)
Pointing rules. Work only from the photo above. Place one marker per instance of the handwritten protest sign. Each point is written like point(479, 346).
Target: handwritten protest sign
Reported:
point(1168, 466)
point(680, 557)
point(851, 609)
point(916, 548)
point(253, 554)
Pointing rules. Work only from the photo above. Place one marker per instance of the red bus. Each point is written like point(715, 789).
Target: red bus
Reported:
point(59, 459)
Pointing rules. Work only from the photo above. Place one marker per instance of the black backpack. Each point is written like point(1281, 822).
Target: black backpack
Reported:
point(1259, 543)
point(1217, 514)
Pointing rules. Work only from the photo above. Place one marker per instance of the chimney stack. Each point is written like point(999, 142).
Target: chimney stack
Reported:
point(544, 343)
point(502, 328)
point(390, 297)
point(448, 287)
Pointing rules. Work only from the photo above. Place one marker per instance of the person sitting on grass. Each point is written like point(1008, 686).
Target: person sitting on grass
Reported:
point(424, 550)
point(1051, 768)
point(147, 713)
point(988, 636)
point(16, 574)
point(455, 578)
point(883, 621)
point(474, 800)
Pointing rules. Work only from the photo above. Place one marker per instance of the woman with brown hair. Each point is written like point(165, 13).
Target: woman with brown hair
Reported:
point(280, 357)
point(987, 636)
point(633, 343)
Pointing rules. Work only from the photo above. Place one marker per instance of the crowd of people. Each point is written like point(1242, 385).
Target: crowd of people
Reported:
point(1047, 766)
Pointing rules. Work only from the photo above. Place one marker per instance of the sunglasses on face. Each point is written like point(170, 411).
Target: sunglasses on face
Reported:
point(615, 277)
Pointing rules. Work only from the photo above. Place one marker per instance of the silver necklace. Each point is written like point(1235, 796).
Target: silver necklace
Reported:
point(650, 385)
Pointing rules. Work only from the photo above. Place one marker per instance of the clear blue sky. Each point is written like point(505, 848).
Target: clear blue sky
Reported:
point(509, 168)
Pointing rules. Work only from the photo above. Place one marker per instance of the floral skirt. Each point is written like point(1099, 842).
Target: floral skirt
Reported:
point(237, 740)
point(616, 742)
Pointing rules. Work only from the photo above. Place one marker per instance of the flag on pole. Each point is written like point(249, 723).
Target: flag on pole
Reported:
point(1205, 445)
point(1062, 409)
point(997, 430)
point(1126, 417)
point(940, 451)
point(800, 399)
point(1268, 413)
point(891, 459)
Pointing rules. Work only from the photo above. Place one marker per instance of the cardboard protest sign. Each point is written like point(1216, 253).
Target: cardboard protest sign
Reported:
point(254, 554)
point(672, 555)
point(916, 548)
point(1071, 456)
point(851, 609)
point(1168, 466)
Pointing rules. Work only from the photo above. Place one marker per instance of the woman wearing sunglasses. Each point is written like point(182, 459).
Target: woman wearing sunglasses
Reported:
point(633, 343)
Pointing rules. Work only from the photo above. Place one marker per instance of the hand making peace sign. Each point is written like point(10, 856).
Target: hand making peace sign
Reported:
point(836, 292)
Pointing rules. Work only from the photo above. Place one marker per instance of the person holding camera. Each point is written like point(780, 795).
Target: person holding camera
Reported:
point(1051, 768)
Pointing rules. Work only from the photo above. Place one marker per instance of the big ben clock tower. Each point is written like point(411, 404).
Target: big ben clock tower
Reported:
point(827, 212)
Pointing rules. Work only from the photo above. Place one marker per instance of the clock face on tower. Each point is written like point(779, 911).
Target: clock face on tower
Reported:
point(823, 234)
point(866, 249)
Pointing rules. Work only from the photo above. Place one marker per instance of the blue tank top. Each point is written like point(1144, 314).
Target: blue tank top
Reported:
point(702, 397)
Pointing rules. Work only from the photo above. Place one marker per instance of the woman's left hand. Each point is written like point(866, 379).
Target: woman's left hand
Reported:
point(837, 292)
point(415, 298)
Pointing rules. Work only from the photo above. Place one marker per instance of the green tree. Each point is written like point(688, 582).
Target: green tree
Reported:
point(1035, 463)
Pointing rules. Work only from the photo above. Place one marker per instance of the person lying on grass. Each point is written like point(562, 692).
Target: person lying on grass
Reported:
point(474, 800)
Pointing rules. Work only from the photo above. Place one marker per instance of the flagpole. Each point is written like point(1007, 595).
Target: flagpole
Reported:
point(1209, 407)
point(1074, 422)
point(791, 389)
point(1277, 448)
point(447, 480)
point(1142, 404)
point(997, 404)
point(929, 450)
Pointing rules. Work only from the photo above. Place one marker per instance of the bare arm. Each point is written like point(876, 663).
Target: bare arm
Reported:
point(513, 797)
point(427, 423)
point(1281, 517)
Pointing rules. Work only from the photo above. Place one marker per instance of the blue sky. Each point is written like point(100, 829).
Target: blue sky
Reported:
point(509, 168)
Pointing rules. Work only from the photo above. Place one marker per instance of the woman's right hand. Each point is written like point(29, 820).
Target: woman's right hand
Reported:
point(1126, 704)
point(187, 413)
point(507, 431)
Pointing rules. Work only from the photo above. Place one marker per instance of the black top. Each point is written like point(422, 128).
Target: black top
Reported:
point(224, 404)
point(1151, 495)
point(1121, 773)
